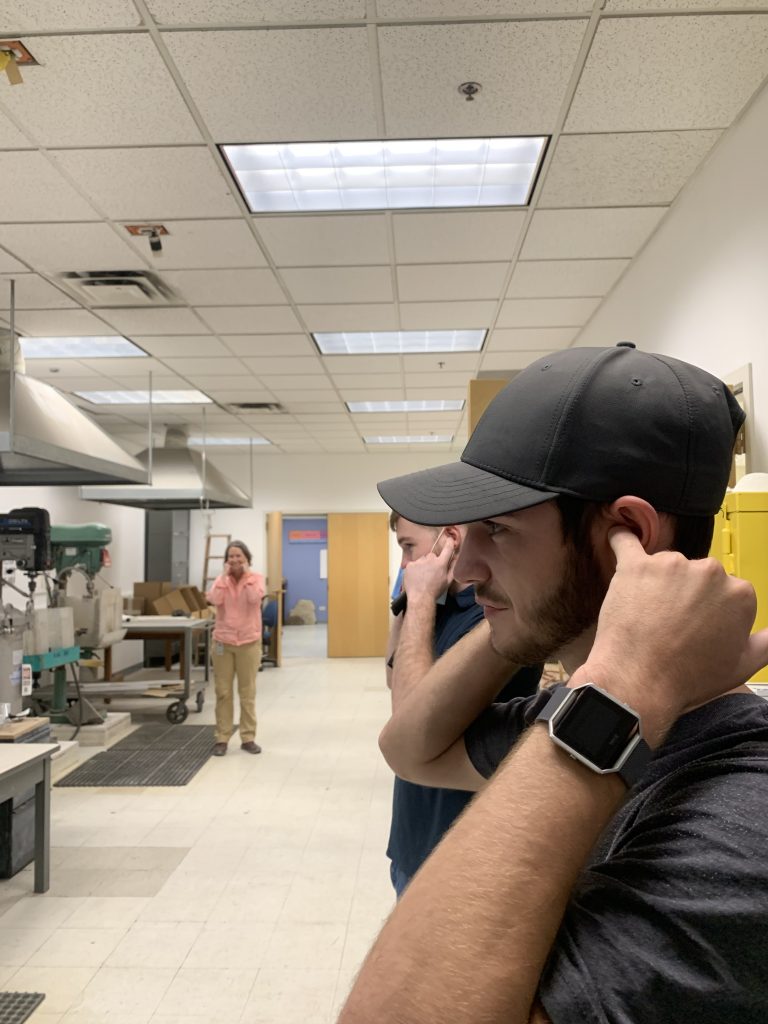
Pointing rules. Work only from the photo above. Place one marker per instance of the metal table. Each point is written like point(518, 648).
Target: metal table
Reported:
point(163, 627)
point(23, 765)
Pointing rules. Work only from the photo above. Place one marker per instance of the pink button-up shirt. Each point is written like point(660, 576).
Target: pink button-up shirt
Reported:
point(238, 608)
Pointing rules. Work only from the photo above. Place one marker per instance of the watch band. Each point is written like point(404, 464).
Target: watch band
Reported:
point(636, 756)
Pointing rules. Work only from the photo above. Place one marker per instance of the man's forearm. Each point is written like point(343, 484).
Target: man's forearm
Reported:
point(414, 655)
point(450, 696)
point(470, 937)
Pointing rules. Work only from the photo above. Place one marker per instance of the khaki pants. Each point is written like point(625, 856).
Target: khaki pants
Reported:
point(243, 661)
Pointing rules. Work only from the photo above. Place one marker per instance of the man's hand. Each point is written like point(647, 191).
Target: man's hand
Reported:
point(672, 633)
point(430, 576)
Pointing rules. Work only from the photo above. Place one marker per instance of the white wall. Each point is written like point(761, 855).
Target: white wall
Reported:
point(699, 291)
point(126, 550)
point(305, 484)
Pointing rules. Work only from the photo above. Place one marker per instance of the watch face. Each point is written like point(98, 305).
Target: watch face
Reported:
point(596, 727)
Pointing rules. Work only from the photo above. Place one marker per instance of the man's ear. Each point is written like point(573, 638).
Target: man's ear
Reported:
point(653, 529)
point(456, 536)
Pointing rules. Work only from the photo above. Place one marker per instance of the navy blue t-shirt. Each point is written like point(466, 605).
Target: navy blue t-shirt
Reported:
point(422, 814)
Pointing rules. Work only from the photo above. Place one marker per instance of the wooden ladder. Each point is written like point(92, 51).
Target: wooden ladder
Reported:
point(207, 577)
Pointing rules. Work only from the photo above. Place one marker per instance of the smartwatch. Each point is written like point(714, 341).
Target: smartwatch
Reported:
point(595, 728)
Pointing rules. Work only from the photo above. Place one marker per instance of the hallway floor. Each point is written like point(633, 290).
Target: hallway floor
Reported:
point(249, 895)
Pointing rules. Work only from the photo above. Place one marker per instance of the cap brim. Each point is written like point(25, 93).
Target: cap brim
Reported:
point(457, 493)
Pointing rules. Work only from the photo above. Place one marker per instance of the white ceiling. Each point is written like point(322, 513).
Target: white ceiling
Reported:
point(120, 124)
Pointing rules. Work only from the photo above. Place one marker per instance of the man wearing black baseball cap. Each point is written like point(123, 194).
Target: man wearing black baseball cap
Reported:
point(614, 868)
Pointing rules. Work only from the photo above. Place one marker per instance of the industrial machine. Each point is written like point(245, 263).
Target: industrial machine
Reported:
point(37, 645)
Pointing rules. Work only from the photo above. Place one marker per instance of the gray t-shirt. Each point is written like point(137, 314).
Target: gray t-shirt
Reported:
point(669, 921)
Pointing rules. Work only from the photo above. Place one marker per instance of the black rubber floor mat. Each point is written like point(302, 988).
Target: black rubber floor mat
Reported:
point(18, 1006)
point(155, 763)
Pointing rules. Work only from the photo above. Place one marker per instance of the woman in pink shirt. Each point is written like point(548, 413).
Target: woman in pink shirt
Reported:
point(237, 596)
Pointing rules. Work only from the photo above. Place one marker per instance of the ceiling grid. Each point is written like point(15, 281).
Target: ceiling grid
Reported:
point(122, 123)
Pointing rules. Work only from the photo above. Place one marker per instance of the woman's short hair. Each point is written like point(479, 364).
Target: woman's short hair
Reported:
point(243, 547)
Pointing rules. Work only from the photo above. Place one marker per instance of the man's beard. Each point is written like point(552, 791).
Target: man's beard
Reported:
point(558, 619)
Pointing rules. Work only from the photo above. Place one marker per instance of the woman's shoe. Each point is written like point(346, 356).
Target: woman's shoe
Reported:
point(250, 747)
point(219, 749)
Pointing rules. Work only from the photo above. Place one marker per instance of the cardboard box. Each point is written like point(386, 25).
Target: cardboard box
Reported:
point(146, 592)
point(195, 598)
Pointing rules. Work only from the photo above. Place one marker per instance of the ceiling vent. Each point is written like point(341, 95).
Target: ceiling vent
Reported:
point(118, 288)
point(258, 406)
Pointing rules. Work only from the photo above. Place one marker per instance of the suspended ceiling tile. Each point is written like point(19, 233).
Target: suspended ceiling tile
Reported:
point(546, 312)
point(181, 345)
point(56, 247)
point(326, 241)
point(648, 74)
point(33, 190)
point(339, 366)
point(343, 446)
point(367, 317)
point(415, 9)
point(302, 84)
point(453, 392)
point(56, 370)
point(372, 394)
point(8, 264)
point(636, 168)
point(204, 243)
point(245, 12)
point(232, 287)
point(340, 284)
point(448, 281)
point(25, 16)
point(249, 319)
point(541, 279)
point(223, 367)
point(437, 379)
point(152, 183)
point(100, 90)
point(530, 339)
point(300, 405)
point(439, 361)
point(246, 394)
point(360, 380)
point(10, 136)
point(438, 316)
point(33, 292)
point(296, 382)
point(59, 323)
point(122, 367)
point(221, 382)
point(328, 419)
point(620, 6)
point(257, 345)
point(177, 320)
point(583, 234)
point(501, 361)
point(301, 447)
point(479, 236)
point(284, 364)
point(423, 65)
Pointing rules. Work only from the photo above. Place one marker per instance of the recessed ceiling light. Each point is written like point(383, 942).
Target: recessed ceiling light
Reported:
point(142, 397)
point(411, 439)
point(206, 442)
point(367, 342)
point(430, 405)
point(384, 175)
point(80, 348)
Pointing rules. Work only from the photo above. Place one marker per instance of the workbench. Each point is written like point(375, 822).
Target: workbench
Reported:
point(22, 766)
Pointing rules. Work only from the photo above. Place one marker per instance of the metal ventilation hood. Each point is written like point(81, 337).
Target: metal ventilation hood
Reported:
point(45, 439)
point(181, 478)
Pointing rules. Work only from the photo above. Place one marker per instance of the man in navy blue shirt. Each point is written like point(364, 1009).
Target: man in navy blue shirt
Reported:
point(440, 611)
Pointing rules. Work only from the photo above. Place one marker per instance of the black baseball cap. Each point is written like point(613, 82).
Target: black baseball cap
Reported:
point(594, 423)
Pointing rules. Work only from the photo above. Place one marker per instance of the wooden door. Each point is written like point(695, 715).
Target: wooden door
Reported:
point(358, 584)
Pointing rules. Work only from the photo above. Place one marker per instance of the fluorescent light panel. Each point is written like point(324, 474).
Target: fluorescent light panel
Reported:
point(411, 439)
point(367, 342)
point(206, 442)
point(142, 397)
point(80, 348)
point(384, 175)
point(421, 405)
